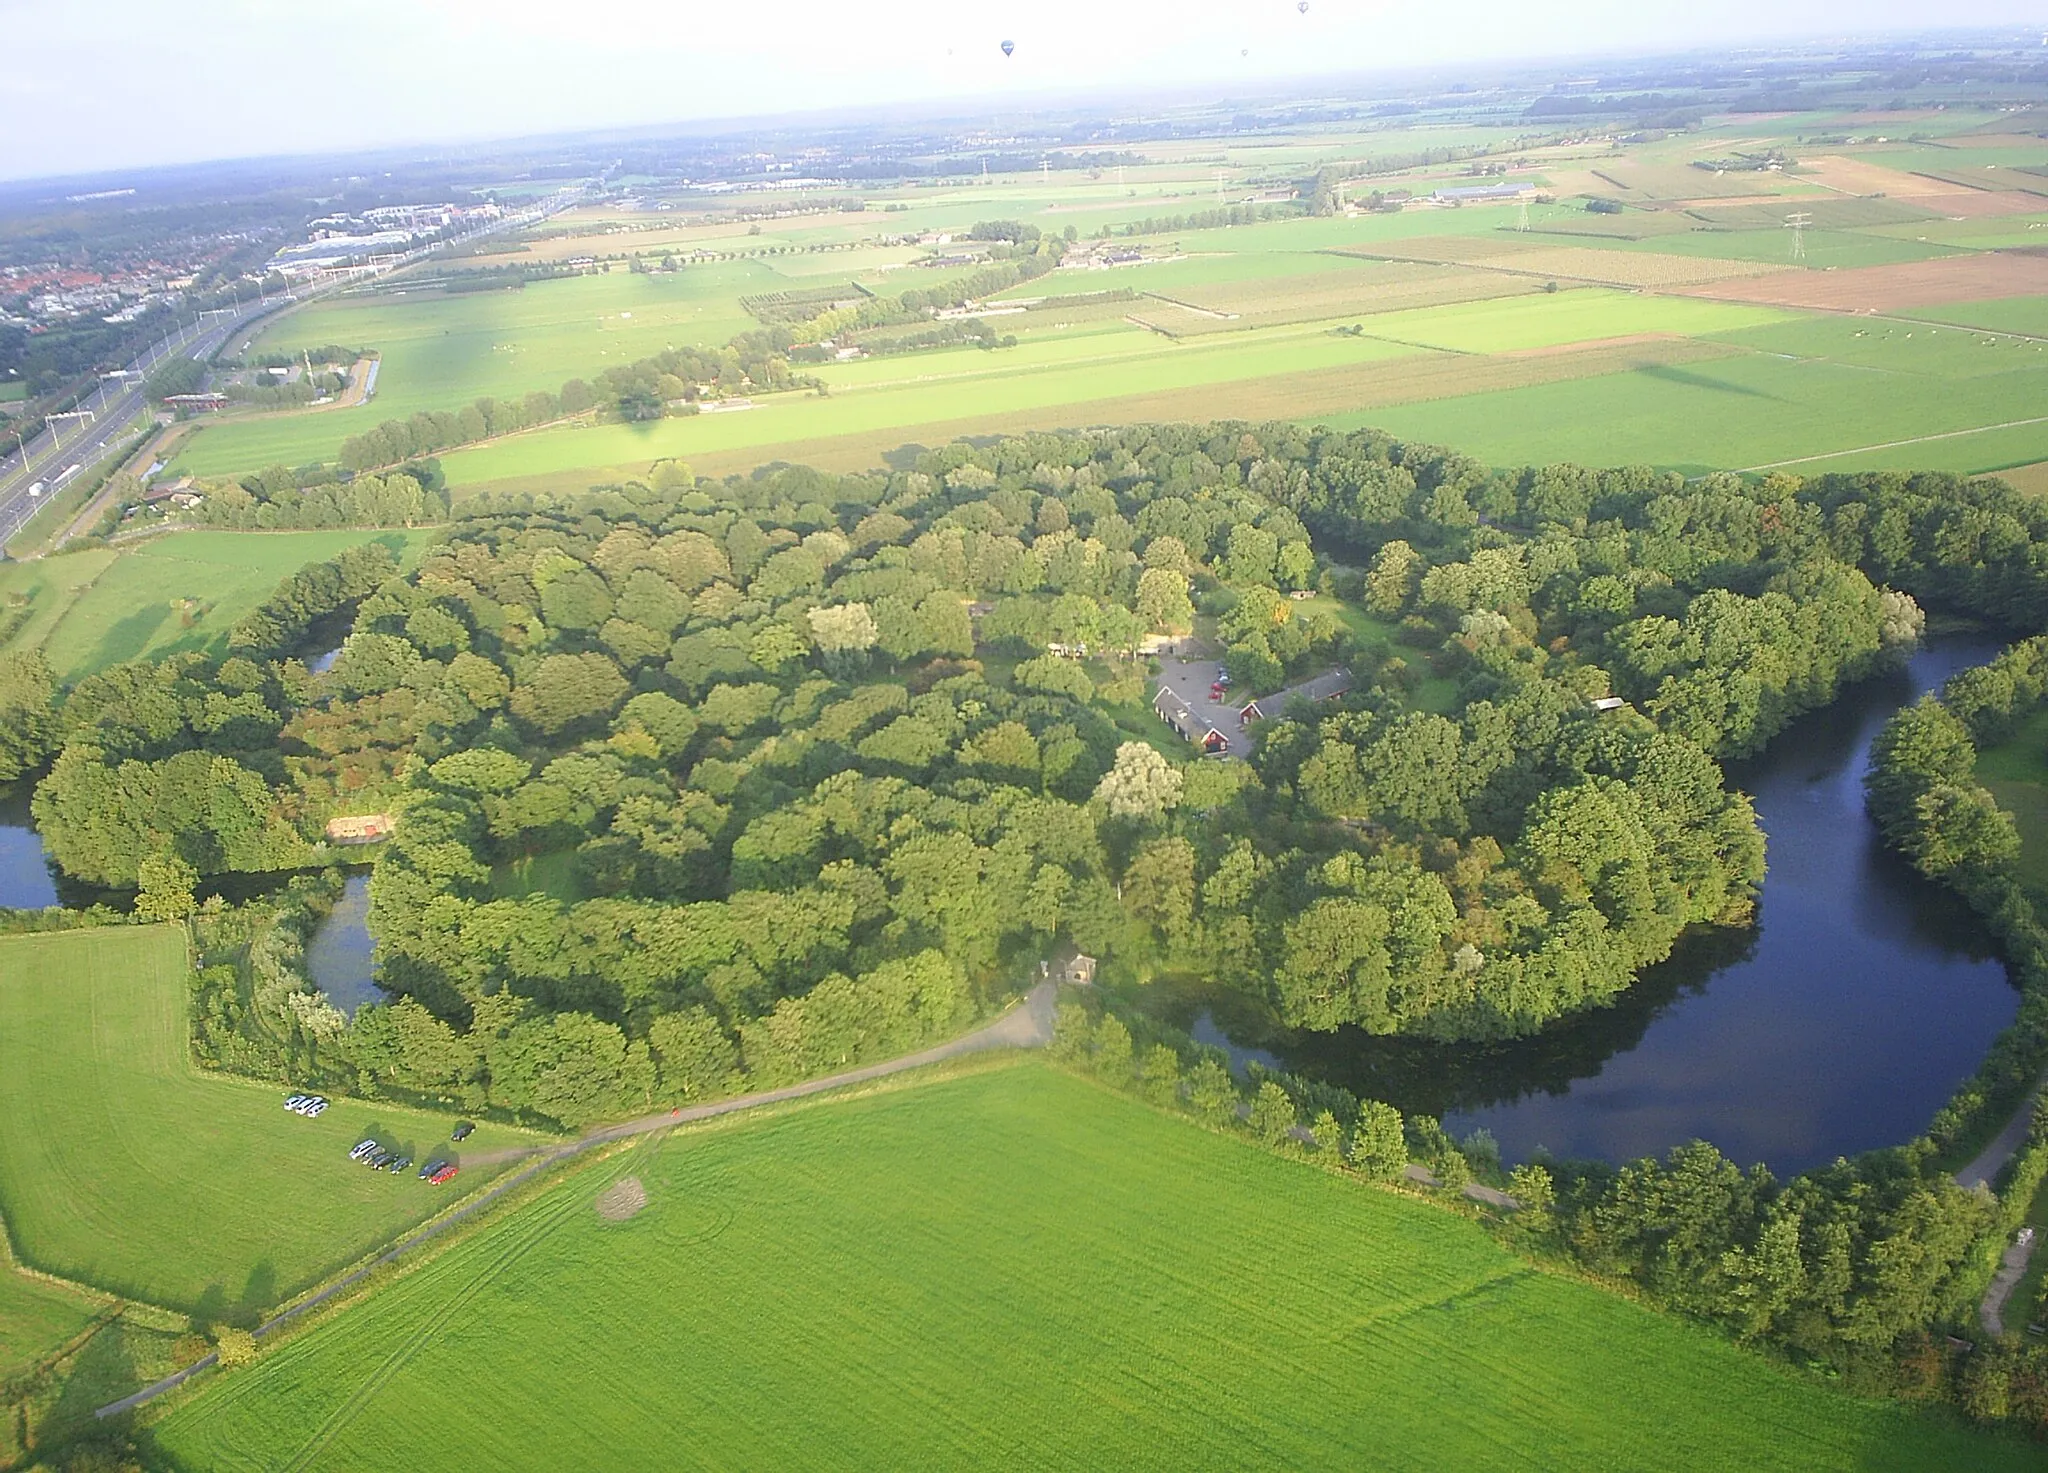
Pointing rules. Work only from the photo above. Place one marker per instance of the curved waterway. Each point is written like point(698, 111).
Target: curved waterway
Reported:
point(339, 957)
point(1840, 1021)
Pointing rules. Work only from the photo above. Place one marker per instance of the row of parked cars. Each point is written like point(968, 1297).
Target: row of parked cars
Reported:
point(372, 1154)
point(377, 1158)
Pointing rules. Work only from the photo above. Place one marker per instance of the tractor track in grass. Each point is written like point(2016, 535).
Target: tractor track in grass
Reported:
point(1027, 1025)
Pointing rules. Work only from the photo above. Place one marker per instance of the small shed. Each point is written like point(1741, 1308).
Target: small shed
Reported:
point(1609, 703)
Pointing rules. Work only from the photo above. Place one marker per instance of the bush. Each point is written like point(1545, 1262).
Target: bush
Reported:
point(234, 1347)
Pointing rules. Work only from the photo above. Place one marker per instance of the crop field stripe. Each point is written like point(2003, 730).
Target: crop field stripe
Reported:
point(528, 1234)
point(1308, 395)
point(2011, 424)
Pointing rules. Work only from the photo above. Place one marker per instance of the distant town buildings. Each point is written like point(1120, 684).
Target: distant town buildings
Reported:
point(336, 242)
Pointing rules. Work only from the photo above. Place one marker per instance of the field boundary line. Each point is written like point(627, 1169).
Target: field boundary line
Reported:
point(1028, 1024)
point(2011, 424)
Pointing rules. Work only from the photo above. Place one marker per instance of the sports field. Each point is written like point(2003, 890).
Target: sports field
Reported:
point(186, 591)
point(125, 1168)
point(1012, 1268)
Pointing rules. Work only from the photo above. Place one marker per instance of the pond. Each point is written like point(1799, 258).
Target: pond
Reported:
point(340, 957)
point(1840, 1021)
point(26, 882)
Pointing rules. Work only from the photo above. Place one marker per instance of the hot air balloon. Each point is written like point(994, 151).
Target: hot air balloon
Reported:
point(1302, 6)
point(1010, 46)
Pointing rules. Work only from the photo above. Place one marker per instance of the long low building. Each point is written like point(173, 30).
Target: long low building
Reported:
point(1325, 687)
point(1183, 718)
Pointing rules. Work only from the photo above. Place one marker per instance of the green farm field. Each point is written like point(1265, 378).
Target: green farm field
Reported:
point(1810, 396)
point(183, 591)
point(1091, 363)
point(1257, 305)
point(125, 1168)
point(36, 1318)
point(1011, 1266)
point(443, 351)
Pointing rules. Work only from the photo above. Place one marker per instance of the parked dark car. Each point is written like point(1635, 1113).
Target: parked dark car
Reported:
point(462, 1131)
point(427, 1171)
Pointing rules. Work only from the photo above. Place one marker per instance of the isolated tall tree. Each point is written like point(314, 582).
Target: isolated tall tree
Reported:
point(1396, 572)
point(1141, 785)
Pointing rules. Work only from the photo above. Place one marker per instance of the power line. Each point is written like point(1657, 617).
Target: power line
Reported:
point(1797, 224)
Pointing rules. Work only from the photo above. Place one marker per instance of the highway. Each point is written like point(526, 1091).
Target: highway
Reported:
point(72, 448)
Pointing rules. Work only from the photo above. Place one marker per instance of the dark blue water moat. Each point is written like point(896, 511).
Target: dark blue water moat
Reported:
point(1840, 1021)
point(339, 956)
point(26, 882)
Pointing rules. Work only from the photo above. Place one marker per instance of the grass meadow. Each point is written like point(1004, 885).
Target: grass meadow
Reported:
point(441, 352)
point(1771, 403)
point(1012, 1267)
point(2016, 772)
point(125, 1168)
point(182, 591)
point(36, 1318)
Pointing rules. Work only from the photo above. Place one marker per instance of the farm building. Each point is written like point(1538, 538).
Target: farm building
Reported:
point(1325, 687)
point(364, 828)
point(1179, 715)
point(1480, 194)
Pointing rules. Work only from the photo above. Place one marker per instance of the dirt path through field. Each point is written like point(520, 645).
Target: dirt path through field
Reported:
point(2011, 1269)
point(1027, 1025)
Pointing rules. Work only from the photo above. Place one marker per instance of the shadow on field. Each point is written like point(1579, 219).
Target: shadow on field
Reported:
point(126, 638)
point(1687, 378)
point(104, 1371)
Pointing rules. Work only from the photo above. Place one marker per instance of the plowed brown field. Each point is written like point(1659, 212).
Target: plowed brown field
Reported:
point(1975, 278)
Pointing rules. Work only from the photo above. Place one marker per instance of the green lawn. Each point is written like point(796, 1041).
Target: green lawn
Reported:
point(123, 1167)
point(1016, 1269)
point(2016, 772)
point(552, 874)
point(180, 591)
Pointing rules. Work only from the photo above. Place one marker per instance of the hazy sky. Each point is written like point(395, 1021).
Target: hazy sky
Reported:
point(92, 84)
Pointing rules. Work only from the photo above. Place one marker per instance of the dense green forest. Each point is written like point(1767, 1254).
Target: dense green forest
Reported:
point(704, 787)
point(795, 727)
